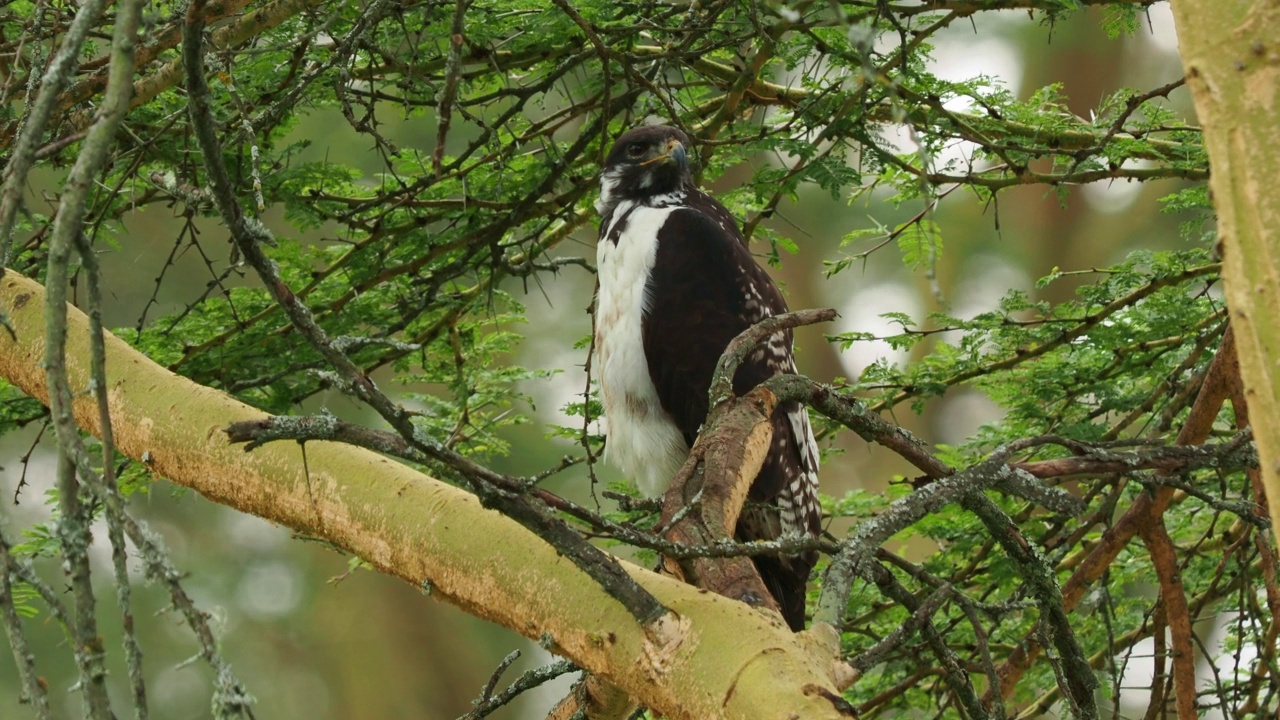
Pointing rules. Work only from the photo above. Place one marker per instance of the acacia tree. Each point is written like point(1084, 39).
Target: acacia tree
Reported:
point(1045, 528)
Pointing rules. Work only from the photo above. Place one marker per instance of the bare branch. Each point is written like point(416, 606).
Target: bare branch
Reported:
point(488, 702)
point(76, 516)
point(33, 690)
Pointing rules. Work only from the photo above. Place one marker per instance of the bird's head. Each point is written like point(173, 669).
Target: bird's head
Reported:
point(645, 162)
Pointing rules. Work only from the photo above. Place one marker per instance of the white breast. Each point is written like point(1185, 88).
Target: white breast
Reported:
point(643, 441)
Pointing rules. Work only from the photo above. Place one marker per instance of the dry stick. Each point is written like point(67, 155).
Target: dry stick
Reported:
point(249, 234)
point(230, 698)
point(488, 702)
point(1148, 506)
point(892, 642)
point(453, 72)
point(746, 341)
point(951, 666)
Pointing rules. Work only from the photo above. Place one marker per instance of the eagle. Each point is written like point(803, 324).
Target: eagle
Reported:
point(677, 283)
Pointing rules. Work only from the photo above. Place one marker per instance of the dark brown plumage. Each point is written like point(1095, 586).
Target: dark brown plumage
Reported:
point(677, 283)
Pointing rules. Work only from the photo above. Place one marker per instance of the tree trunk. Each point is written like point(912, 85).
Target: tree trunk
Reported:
point(1231, 54)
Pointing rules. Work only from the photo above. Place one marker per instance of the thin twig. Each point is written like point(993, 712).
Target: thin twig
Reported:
point(488, 703)
point(452, 74)
point(73, 525)
point(33, 690)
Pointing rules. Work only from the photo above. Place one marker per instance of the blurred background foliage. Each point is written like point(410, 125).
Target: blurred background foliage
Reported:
point(918, 166)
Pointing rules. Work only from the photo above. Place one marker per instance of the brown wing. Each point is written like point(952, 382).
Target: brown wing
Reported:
point(704, 289)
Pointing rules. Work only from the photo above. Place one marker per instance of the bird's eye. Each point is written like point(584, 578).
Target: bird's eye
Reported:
point(635, 150)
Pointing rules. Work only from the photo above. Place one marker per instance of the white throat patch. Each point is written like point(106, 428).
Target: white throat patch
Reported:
point(608, 186)
point(609, 200)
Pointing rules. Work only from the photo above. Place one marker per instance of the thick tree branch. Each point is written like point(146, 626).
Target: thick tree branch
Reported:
point(732, 662)
point(705, 498)
point(306, 428)
point(1229, 54)
point(1237, 454)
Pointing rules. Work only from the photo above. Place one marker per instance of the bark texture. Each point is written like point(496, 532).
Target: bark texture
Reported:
point(1231, 54)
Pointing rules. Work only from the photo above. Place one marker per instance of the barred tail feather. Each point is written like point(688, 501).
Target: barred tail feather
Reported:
point(784, 503)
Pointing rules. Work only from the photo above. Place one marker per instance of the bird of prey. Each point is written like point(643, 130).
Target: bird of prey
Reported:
point(677, 283)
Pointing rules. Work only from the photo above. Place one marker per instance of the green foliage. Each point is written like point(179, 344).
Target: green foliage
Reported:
point(1060, 367)
point(412, 234)
point(1097, 367)
point(482, 387)
point(1120, 20)
point(41, 540)
point(920, 243)
point(25, 598)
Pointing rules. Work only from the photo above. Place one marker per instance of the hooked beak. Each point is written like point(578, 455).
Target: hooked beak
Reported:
point(673, 152)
